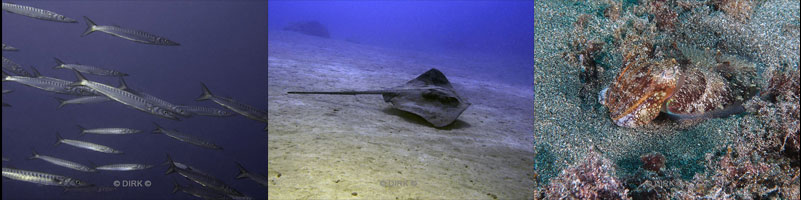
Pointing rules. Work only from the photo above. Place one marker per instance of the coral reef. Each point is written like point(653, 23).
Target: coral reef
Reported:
point(779, 109)
point(313, 28)
point(592, 178)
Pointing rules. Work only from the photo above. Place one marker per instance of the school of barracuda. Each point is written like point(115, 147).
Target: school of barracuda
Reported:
point(85, 91)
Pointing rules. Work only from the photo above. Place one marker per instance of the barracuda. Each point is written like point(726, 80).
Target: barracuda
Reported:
point(206, 111)
point(37, 13)
point(87, 69)
point(185, 138)
point(82, 100)
point(128, 34)
point(157, 101)
point(48, 84)
point(123, 167)
point(124, 97)
point(42, 178)
point(199, 192)
point(8, 48)
point(243, 109)
point(108, 131)
point(258, 178)
point(62, 162)
point(203, 179)
point(15, 68)
point(87, 145)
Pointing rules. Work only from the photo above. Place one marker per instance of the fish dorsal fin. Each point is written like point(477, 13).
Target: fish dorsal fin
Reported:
point(35, 72)
point(124, 85)
point(431, 77)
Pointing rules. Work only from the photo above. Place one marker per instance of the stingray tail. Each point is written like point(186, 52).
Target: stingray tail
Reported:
point(344, 92)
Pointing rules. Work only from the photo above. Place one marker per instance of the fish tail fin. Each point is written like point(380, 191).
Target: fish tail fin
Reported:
point(83, 130)
point(58, 138)
point(206, 93)
point(90, 26)
point(92, 164)
point(35, 154)
point(80, 80)
point(158, 130)
point(175, 186)
point(172, 165)
point(242, 172)
point(60, 102)
point(59, 63)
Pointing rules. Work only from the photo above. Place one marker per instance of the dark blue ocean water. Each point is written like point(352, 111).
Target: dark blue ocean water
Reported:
point(496, 31)
point(223, 44)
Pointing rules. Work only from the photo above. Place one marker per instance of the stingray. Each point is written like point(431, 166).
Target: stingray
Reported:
point(429, 96)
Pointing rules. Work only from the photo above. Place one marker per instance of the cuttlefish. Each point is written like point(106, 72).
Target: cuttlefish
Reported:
point(429, 96)
point(644, 89)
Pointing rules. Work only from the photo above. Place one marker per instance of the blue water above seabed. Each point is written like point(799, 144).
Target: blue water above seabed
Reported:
point(223, 44)
point(498, 31)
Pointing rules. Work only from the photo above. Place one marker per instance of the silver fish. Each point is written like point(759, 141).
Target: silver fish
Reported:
point(49, 84)
point(87, 69)
point(243, 109)
point(206, 111)
point(181, 165)
point(8, 48)
point(203, 179)
point(123, 167)
point(128, 34)
point(108, 131)
point(199, 192)
point(258, 178)
point(15, 68)
point(124, 97)
point(87, 145)
point(185, 138)
point(62, 162)
point(7, 91)
point(157, 101)
point(37, 13)
point(42, 178)
point(82, 100)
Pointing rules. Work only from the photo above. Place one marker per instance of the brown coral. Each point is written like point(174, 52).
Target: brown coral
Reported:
point(783, 115)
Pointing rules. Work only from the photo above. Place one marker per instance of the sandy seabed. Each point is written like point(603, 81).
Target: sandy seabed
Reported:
point(358, 147)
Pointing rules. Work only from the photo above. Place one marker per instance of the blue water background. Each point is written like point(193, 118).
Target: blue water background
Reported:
point(501, 31)
point(223, 44)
